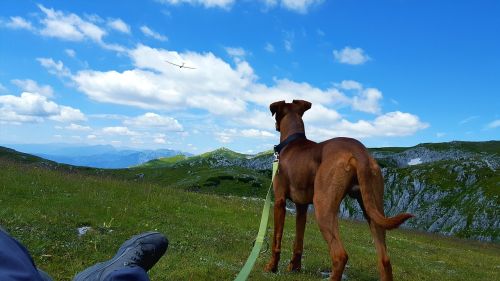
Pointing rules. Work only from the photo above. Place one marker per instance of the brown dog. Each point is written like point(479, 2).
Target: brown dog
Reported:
point(323, 173)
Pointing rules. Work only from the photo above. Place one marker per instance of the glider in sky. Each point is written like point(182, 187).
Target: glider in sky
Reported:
point(183, 65)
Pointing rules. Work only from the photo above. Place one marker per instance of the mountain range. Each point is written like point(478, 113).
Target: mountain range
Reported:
point(97, 156)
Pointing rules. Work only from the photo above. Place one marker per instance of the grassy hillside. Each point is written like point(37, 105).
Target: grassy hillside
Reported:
point(210, 235)
point(215, 172)
point(470, 146)
point(452, 188)
point(453, 191)
point(492, 147)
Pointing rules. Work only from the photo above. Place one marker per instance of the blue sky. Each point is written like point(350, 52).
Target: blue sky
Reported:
point(390, 73)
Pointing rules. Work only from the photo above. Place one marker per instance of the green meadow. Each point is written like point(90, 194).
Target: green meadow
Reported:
point(210, 234)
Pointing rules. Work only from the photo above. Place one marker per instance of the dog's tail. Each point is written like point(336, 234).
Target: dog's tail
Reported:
point(371, 185)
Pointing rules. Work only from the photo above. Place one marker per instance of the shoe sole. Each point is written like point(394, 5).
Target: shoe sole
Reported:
point(126, 246)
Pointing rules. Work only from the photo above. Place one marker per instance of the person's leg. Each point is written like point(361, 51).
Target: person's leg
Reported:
point(16, 264)
point(135, 273)
point(44, 275)
point(134, 258)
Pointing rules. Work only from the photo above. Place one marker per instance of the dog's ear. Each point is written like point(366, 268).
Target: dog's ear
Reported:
point(276, 106)
point(303, 105)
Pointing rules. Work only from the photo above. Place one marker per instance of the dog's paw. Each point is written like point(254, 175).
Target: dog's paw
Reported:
point(293, 267)
point(271, 267)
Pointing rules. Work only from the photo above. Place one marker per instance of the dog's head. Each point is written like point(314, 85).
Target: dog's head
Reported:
point(280, 109)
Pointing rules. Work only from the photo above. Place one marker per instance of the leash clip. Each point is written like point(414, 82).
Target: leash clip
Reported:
point(276, 157)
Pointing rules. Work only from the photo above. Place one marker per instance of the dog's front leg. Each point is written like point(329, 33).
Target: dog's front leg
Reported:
point(279, 222)
point(298, 245)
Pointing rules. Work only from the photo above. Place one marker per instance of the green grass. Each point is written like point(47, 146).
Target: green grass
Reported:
point(238, 181)
point(165, 161)
point(491, 147)
point(210, 235)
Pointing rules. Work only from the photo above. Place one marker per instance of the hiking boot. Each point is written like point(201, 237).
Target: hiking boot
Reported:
point(142, 250)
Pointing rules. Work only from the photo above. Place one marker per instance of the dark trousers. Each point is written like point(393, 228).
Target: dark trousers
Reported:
point(16, 264)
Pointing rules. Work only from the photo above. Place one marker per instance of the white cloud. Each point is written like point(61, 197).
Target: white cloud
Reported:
point(68, 114)
point(350, 85)
point(11, 117)
point(269, 48)
point(69, 26)
point(153, 120)
point(225, 4)
point(70, 52)
point(77, 127)
point(352, 56)
point(214, 86)
point(132, 87)
point(227, 135)
point(288, 40)
point(288, 90)
point(217, 105)
point(119, 130)
point(288, 45)
point(31, 86)
point(3, 89)
point(228, 90)
point(108, 116)
point(270, 3)
point(468, 119)
point(119, 25)
point(253, 133)
point(237, 52)
point(300, 6)
point(319, 114)
point(114, 47)
point(91, 137)
point(150, 33)
point(53, 67)
point(365, 100)
point(31, 107)
point(494, 124)
point(368, 101)
point(391, 124)
point(398, 124)
point(30, 104)
point(19, 23)
point(160, 140)
point(256, 119)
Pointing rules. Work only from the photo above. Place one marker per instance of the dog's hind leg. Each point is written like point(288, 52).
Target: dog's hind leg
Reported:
point(383, 261)
point(326, 210)
point(329, 226)
point(298, 245)
point(378, 233)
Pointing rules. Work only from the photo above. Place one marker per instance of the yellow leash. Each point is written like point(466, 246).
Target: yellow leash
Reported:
point(247, 268)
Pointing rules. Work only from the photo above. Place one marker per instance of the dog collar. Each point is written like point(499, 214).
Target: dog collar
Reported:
point(291, 138)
